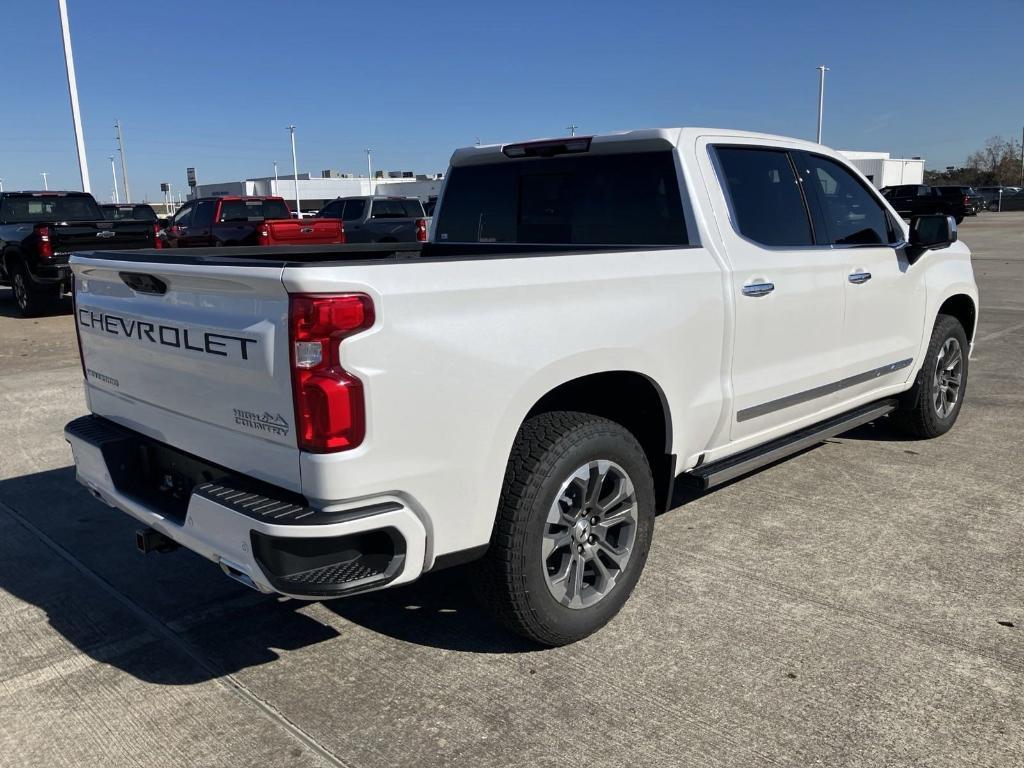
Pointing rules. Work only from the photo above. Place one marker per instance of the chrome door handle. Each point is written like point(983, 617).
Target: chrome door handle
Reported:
point(758, 289)
point(858, 278)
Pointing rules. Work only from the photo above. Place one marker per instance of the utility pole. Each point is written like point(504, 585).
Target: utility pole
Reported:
point(46, 184)
point(113, 173)
point(821, 97)
point(572, 129)
point(1021, 159)
point(76, 116)
point(275, 174)
point(295, 169)
point(1, 185)
point(124, 162)
point(369, 169)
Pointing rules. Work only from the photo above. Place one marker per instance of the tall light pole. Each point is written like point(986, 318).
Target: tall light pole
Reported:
point(275, 171)
point(821, 97)
point(369, 168)
point(571, 128)
point(1021, 160)
point(124, 162)
point(46, 184)
point(1, 185)
point(113, 174)
point(76, 116)
point(295, 169)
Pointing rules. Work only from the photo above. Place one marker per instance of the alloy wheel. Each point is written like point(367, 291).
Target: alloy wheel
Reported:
point(948, 377)
point(20, 290)
point(589, 534)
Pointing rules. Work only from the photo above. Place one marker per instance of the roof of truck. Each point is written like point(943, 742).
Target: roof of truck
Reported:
point(649, 138)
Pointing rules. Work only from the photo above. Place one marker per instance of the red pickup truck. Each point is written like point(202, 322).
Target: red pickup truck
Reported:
point(247, 221)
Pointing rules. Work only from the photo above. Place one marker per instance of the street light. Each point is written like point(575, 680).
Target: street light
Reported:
point(113, 174)
point(46, 184)
point(76, 117)
point(124, 161)
point(295, 170)
point(821, 97)
point(572, 129)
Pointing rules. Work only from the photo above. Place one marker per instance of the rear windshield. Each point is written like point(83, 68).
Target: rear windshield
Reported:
point(628, 199)
point(28, 208)
point(137, 212)
point(253, 210)
point(394, 209)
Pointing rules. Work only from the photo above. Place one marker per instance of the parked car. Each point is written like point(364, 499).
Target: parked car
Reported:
point(972, 200)
point(594, 319)
point(1002, 198)
point(39, 230)
point(921, 200)
point(374, 219)
point(134, 211)
point(237, 221)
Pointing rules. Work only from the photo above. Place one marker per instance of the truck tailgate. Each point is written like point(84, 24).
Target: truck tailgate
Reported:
point(192, 355)
point(88, 235)
point(304, 231)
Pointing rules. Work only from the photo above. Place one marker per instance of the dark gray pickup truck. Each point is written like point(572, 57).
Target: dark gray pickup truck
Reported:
point(378, 219)
point(39, 230)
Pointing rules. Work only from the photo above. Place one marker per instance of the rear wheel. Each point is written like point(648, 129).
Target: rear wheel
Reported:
point(32, 299)
point(573, 530)
point(931, 407)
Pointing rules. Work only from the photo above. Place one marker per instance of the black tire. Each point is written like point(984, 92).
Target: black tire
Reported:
point(32, 299)
point(513, 577)
point(918, 414)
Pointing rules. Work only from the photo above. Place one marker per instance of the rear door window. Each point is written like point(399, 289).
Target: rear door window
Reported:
point(618, 199)
point(204, 213)
point(767, 203)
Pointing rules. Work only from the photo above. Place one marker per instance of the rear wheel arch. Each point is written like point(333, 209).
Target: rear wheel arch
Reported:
point(631, 399)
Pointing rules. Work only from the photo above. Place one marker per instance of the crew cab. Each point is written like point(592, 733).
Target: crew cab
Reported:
point(593, 320)
point(378, 219)
point(921, 200)
point(236, 221)
point(39, 230)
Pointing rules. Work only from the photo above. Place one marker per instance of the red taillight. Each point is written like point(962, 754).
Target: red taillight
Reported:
point(158, 242)
point(45, 246)
point(421, 230)
point(967, 200)
point(329, 409)
point(264, 235)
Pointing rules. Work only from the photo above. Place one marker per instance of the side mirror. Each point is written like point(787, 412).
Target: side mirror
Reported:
point(930, 233)
point(164, 223)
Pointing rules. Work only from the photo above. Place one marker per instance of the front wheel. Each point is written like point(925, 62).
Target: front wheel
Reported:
point(931, 406)
point(573, 529)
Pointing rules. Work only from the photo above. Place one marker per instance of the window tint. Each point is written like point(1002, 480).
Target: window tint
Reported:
point(852, 214)
point(765, 195)
point(581, 200)
point(396, 209)
point(331, 210)
point(253, 210)
point(204, 213)
point(48, 208)
point(354, 209)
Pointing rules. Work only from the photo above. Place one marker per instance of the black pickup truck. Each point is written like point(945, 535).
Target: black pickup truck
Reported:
point(911, 200)
point(39, 230)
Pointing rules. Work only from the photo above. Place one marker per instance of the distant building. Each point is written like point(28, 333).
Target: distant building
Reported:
point(885, 171)
point(315, 193)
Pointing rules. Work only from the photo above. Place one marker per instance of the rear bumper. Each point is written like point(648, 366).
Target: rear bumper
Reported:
point(275, 545)
point(51, 274)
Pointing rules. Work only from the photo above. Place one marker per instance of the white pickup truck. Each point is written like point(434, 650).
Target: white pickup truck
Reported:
point(592, 320)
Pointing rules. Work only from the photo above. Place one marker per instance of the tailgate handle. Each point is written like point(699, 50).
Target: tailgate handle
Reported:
point(143, 283)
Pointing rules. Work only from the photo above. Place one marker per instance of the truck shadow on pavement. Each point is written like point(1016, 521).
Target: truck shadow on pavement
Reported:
point(9, 309)
point(175, 619)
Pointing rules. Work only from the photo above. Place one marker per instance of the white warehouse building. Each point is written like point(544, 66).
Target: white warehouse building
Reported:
point(885, 171)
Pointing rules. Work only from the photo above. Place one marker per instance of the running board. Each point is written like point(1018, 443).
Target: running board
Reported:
point(722, 471)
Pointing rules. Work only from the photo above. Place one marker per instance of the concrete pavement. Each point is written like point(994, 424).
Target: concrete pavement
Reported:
point(861, 604)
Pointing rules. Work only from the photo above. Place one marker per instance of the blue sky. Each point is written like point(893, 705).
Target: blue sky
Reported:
point(213, 84)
